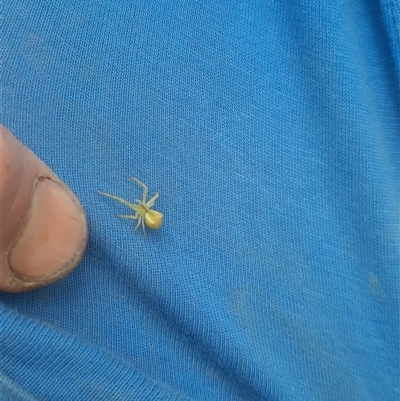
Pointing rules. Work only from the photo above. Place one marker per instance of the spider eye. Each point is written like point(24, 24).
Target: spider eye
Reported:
point(153, 219)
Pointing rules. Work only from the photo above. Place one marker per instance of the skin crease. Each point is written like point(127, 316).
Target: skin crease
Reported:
point(43, 228)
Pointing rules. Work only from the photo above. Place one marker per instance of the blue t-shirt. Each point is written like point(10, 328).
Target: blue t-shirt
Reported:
point(271, 130)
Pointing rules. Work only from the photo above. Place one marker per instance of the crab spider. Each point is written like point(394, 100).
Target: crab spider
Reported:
point(143, 214)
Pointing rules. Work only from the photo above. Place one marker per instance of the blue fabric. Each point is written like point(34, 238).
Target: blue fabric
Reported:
point(271, 130)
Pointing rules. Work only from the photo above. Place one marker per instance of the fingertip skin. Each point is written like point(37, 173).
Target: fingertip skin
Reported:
point(43, 228)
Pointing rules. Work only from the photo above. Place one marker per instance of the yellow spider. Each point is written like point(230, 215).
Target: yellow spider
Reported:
point(143, 213)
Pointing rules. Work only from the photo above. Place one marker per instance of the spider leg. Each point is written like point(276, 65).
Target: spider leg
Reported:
point(138, 224)
point(128, 216)
point(143, 228)
point(129, 204)
point(150, 203)
point(145, 189)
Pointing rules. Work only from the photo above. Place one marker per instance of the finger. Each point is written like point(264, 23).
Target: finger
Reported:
point(43, 228)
